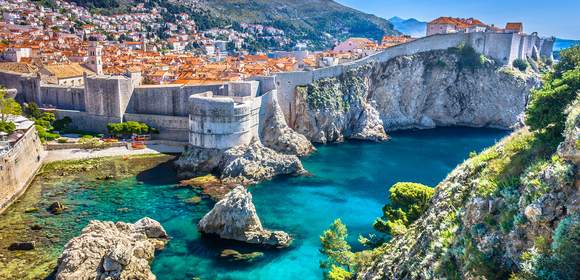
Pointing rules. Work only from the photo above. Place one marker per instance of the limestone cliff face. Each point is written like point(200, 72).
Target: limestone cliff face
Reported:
point(527, 223)
point(419, 91)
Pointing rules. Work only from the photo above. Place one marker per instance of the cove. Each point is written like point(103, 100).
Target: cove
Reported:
point(349, 181)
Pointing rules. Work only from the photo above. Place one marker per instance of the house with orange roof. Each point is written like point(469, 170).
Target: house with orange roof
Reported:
point(445, 25)
point(355, 45)
point(70, 74)
point(514, 27)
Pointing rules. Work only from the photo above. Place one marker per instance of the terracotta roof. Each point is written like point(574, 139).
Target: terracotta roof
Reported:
point(63, 71)
point(458, 22)
point(18, 67)
point(516, 26)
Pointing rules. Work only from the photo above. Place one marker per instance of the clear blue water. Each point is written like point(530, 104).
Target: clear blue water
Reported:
point(349, 181)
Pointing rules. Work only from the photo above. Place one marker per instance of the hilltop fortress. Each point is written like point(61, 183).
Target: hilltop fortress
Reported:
point(225, 115)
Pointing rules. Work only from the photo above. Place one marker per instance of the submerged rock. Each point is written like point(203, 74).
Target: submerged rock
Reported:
point(56, 208)
point(250, 164)
point(237, 256)
point(107, 250)
point(234, 217)
point(21, 246)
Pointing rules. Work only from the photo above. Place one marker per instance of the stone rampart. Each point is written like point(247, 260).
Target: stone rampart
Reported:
point(18, 166)
point(170, 127)
point(220, 122)
point(62, 97)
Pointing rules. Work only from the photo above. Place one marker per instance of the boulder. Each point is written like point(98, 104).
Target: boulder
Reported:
point(250, 164)
point(107, 250)
point(234, 217)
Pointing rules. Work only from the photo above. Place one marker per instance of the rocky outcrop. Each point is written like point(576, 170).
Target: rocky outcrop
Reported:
point(234, 217)
point(250, 164)
point(278, 136)
point(195, 161)
point(480, 227)
point(418, 91)
point(107, 250)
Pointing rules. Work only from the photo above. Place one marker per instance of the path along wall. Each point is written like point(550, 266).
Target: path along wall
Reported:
point(18, 167)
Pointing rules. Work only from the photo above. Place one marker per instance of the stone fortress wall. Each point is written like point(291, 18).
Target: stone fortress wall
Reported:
point(502, 47)
point(18, 166)
point(223, 115)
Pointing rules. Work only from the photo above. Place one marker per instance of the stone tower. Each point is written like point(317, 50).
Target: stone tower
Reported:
point(95, 57)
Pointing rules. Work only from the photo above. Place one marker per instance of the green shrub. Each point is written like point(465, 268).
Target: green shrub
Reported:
point(546, 111)
point(520, 64)
point(128, 128)
point(7, 127)
point(468, 57)
point(569, 60)
point(44, 135)
point(62, 140)
point(407, 202)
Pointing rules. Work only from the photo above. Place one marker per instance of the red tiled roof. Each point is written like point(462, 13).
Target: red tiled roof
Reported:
point(458, 22)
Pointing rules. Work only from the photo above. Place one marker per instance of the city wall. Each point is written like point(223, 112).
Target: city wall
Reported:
point(106, 99)
point(18, 166)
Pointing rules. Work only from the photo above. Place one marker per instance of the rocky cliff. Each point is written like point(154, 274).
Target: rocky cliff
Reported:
point(234, 217)
point(436, 88)
point(512, 211)
point(107, 250)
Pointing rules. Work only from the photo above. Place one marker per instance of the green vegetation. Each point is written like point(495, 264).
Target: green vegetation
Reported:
point(483, 208)
point(128, 128)
point(8, 106)
point(336, 248)
point(407, 202)
point(469, 58)
point(7, 127)
point(521, 64)
point(546, 111)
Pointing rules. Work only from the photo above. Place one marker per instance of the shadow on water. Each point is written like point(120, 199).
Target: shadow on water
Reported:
point(162, 174)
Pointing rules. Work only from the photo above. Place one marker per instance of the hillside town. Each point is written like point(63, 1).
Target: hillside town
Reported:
point(55, 42)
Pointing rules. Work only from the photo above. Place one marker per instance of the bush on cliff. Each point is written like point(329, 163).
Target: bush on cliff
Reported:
point(520, 64)
point(546, 111)
point(469, 58)
point(407, 202)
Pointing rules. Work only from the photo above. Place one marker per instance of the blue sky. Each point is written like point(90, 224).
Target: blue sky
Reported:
point(560, 18)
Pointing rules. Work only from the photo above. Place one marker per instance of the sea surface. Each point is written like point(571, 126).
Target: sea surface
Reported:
point(349, 181)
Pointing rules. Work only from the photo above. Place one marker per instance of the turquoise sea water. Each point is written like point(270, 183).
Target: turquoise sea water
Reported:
point(349, 180)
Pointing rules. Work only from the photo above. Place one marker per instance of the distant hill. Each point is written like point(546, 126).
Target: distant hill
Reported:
point(410, 26)
point(318, 22)
point(310, 19)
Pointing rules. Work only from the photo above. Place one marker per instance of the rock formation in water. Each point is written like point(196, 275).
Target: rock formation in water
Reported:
point(250, 164)
point(196, 161)
point(234, 217)
point(278, 136)
point(436, 88)
point(107, 250)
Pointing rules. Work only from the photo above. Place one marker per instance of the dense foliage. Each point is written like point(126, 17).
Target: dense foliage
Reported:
point(546, 111)
point(8, 106)
point(469, 58)
point(128, 128)
point(7, 127)
point(520, 64)
point(335, 246)
point(407, 202)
